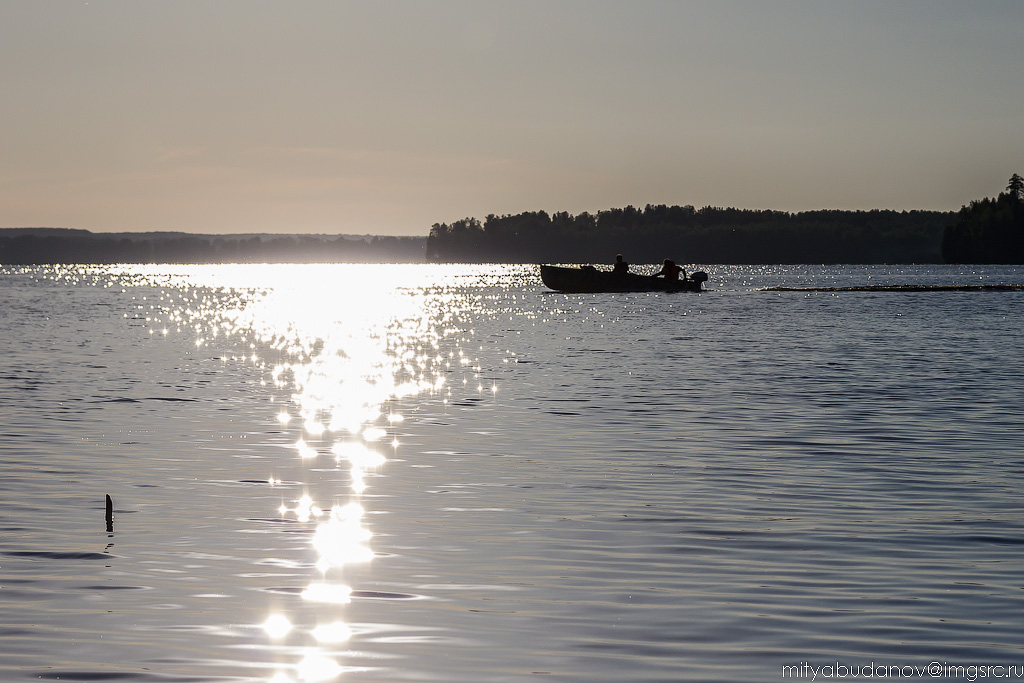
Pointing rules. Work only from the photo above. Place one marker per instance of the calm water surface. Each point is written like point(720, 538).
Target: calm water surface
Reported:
point(447, 473)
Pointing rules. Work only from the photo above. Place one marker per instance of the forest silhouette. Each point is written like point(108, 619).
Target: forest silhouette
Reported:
point(989, 230)
point(689, 235)
point(986, 231)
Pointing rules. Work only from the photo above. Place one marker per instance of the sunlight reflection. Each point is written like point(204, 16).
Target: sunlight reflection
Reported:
point(339, 348)
point(342, 538)
point(358, 480)
point(327, 592)
point(358, 455)
point(313, 427)
point(277, 626)
point(316, 667)
point(335, 632)
point(374, 434)
point(304, 450)
point(304, 509)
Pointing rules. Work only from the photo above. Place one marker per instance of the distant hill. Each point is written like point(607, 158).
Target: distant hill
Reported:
point(43, 232)
point(35, 246)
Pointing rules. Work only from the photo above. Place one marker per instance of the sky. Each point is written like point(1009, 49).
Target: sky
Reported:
point(380, 117)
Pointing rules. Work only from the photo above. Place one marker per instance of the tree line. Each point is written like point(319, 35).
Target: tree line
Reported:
point(689, 235)
point(46, 246)
point(989, 230)
point(986, 231)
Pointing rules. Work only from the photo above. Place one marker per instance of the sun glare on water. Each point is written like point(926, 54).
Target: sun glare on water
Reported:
point(340, 347)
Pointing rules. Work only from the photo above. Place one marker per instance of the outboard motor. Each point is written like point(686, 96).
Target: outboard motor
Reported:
point(700, 277)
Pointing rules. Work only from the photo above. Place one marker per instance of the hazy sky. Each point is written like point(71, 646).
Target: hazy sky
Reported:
point(385, 117)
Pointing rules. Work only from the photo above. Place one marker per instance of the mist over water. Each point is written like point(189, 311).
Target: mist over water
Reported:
point(380, 473)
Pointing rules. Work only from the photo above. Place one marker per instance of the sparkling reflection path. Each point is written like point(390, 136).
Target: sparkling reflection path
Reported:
point(340, 348)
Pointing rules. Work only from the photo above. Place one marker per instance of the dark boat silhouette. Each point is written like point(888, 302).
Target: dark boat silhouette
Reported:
point(587, 279)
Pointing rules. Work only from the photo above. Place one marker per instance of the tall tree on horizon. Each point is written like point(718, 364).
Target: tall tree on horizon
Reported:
point(1016, 187)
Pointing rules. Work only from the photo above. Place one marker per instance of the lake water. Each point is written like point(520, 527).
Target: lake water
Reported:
point(447, 473)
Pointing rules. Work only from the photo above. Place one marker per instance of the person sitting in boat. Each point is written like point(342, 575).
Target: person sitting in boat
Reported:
point(670, 271)
point(621, 267)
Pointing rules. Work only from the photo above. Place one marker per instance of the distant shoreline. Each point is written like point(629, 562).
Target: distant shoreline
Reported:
point(39, 246)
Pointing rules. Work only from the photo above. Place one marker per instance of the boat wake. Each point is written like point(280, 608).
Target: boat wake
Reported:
point(903, 288)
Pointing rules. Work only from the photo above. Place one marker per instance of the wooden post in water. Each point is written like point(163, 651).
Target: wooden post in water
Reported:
point(110, 513)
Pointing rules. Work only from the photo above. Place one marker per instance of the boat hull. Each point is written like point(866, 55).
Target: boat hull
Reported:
point(588, 280)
